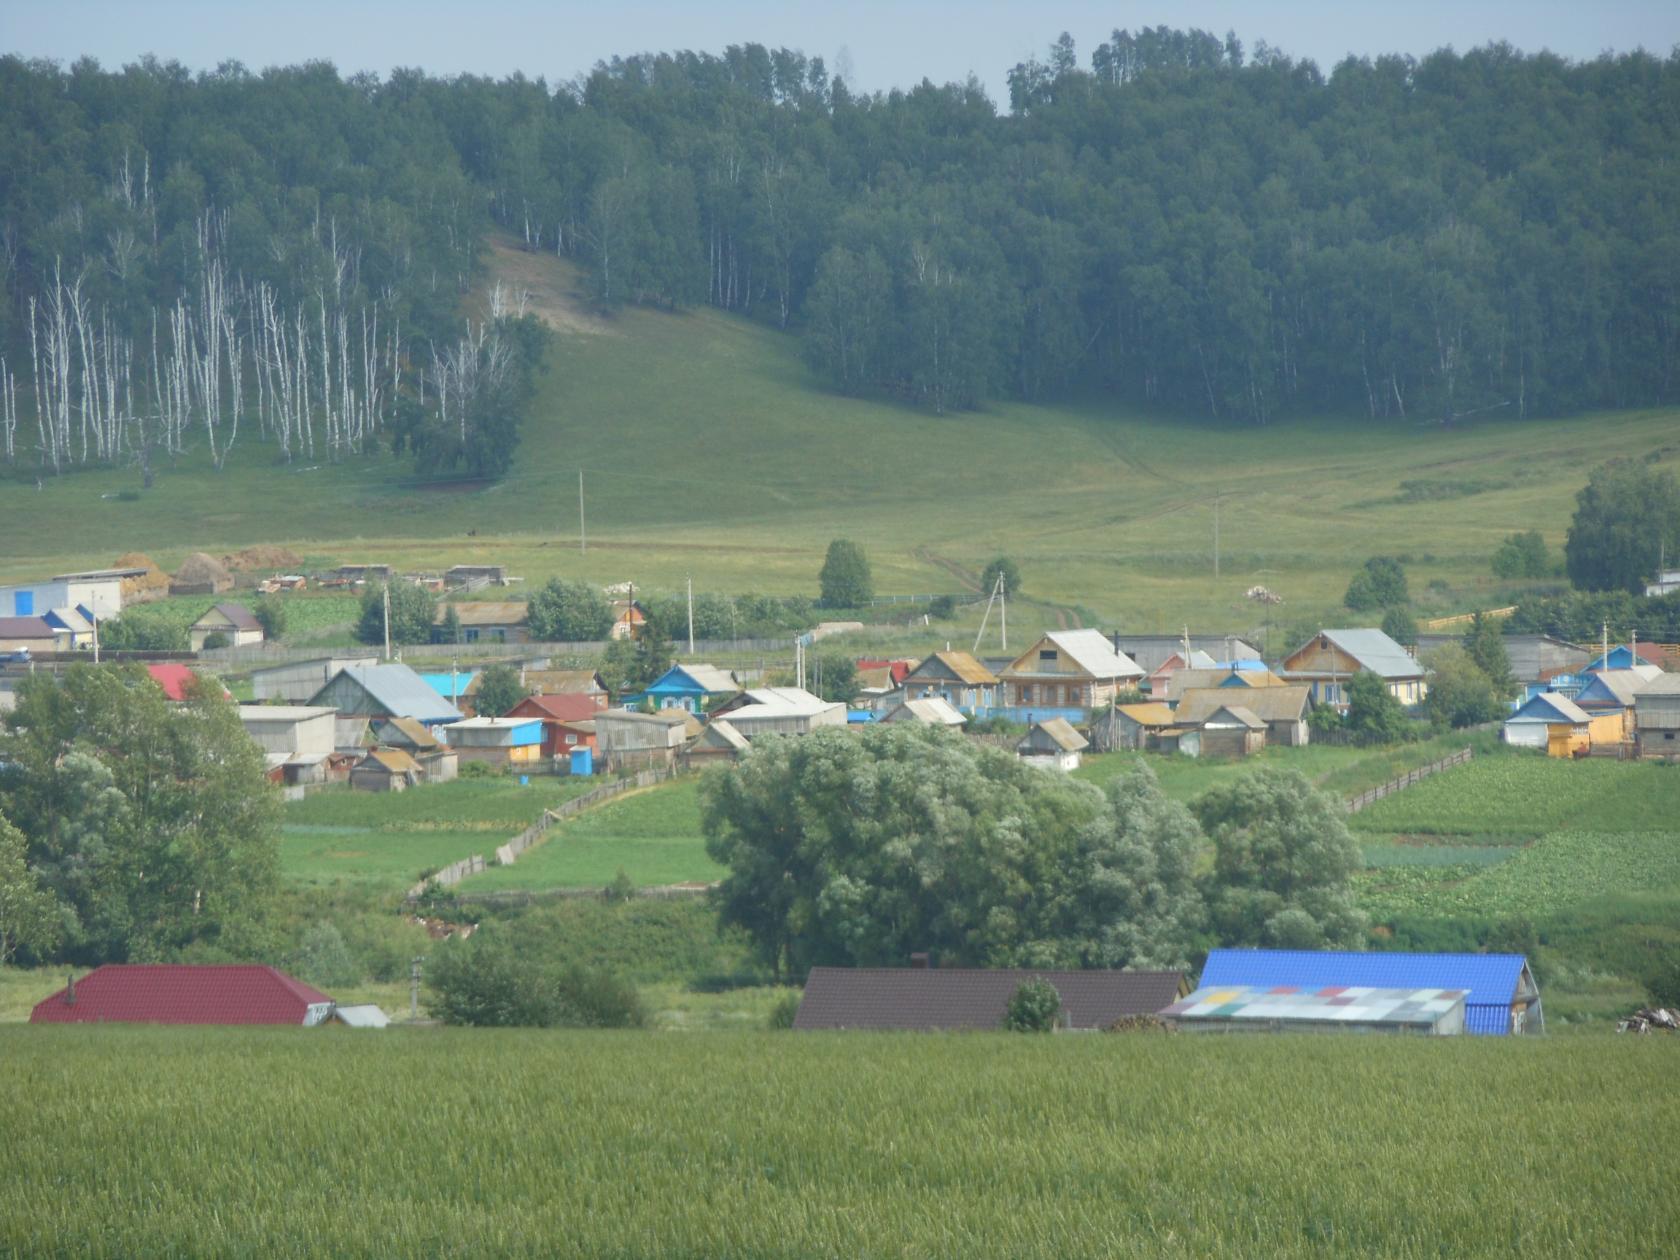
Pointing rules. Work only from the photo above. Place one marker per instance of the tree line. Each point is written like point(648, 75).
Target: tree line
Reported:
point(1180, 223)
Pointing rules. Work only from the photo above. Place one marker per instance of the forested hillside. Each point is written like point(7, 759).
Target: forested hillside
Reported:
point(211, 260)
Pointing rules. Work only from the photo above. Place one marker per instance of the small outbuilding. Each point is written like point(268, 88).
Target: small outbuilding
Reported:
point(929, 710)
point(1232, 731)
point(1657, 718)
point(503, 741)
point(1535, 723)
point(1052, 744)
point(385, 770)
point(181, 994)
point(1130, 726)
point(629, 741)
point(234, 622)
point(719, 741)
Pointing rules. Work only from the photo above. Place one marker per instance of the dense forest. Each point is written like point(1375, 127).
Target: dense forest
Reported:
point(285, 256)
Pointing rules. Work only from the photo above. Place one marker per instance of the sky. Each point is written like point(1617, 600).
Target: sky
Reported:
point(885, 44)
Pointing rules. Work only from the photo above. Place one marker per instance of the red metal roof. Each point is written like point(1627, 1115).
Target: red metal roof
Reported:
point(567, 707)
point(174, 679)
point(176, 994)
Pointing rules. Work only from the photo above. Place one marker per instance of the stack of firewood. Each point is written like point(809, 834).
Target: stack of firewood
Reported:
point(1650, 1019)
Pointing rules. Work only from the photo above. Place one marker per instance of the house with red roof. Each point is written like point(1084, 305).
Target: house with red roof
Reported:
point(175, 679)
point(568, 721)
point(180, 994)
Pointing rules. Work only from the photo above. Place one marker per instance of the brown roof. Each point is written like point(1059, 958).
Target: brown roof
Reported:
point(554, 682)
point(937, 998)
point(569, 707)
point(394, 760)
point(1269, 704)
point(484, 612)
point(966, 668)
point(1237, 714)
point(1060, 732)
point(414, 733)
point(1155, 714)
point(236, 615)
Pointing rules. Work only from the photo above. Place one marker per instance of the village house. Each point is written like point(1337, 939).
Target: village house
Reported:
point(779, 711)
point(1194, 679)
point(1066, 673)
point(1130, 727)
point(1657, 718)
point(1555, 725)
point(568, 721)
point(1155, 683)
point(385, 691)
point(177, 681)
point(928, 710)
point(1052, 744)
point(516, 743)
point(1500, 994)
point(32, 634)
point(296, 740)
point(75, 623)
point(951, 999)
point(97, 593)
point(488, 620)
point(385, 770)
point(718, 741)
point(1607, 696)
point(234, 622)
point(296, 681)
point(436, 759)
point(169, 993)
point(1329, 660)
point(689, 687)
point(628, 741)
point(1281, 709)
point(1645, 659)
point(1151, 651)
point(957, 678)
point(628, 619)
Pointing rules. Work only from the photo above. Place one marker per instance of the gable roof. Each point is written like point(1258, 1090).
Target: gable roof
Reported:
point(1153, 713)
point(1661, 685)
point(706, 678)
point(574, 706)
point(174, 679)
point(934, 710)
point(398, 690)
point(1610, 688)
point(718, 733)
point(1092, 652)
point(963, 666)
point(1550, 706)
point(933, 998)
point(1150, 650)
point(177, 994)
point(1269, 704)
point(1233, 713)
point(1059, 731)
point(406, 732)
point(1373, 650)
point(26, 628)
point(1491, 980)
point(552, 682)
point(236, 615)
point(392, 760)
point(70, 619)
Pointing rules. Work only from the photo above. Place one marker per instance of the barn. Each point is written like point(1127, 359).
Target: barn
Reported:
point(180, 994)
point(932, 999)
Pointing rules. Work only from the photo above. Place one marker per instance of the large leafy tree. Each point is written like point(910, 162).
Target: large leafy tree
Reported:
point(844, 579)
point(152, 825)
point(569, 612)
point(1625, 516)
point(1374, 715)
point(1381, 583)
point(1283, 864)
point(499, 689)
point(1460, 693)
point(411, 610)
point(29, 916)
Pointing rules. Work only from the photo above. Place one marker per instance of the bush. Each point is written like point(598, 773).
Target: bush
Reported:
point(487, 981)
point(322, 958)
point(844, 579)
point(942, 607)
point(1522, 556)
point(622, 888)
point(478, 770)
point(782, 1014)
point(271, 616)
point(1034, 1007)
point(1380, 584)
point(215, 639)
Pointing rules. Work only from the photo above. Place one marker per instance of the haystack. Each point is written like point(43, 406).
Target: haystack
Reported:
point(153, 584)
point(201, 575)
point(264, 559)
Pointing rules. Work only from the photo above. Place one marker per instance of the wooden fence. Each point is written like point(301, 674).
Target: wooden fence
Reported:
point(507, 854)
point(1357, 803)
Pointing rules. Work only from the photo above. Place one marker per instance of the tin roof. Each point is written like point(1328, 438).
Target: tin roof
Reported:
point(1059, 731)
point(572, 706)
point(934, 711)
point(1559, 707)
point(367, 1016)
point(963, 666)
point(177, 994)
point(1491, 980)
point(1148, 714)
point(1374, 651)
point(936, 998)
point(392, 761)
point(399, 691)
point(405, 732)
point(1090, 650)
point(1269, 704)
point(1342, 1004)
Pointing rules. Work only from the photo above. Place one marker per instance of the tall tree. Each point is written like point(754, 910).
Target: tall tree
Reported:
point(844, 579)
point(1484, 642)
point(499, 689)
point(1626, 515)
point(569, 612)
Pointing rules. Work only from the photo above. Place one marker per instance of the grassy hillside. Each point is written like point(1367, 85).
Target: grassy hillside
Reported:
point(765, 1144)
point(708, 451)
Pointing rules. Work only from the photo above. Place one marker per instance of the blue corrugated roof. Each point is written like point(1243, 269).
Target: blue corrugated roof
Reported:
point(1490, 979)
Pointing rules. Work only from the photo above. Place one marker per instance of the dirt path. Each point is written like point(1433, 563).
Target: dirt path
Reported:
point(553, 287)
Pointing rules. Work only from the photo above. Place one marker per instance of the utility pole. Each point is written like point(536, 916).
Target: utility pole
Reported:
point(95, 618)
point(1003, 615)
point(387, 620)
point(691, 614)
point(1216, 494)
point(583, 532)
point(414, 987)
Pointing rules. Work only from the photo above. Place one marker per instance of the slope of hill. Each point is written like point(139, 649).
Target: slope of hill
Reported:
point(707, 450)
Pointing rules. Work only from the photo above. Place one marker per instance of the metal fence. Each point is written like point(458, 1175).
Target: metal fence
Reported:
point(1357, 803)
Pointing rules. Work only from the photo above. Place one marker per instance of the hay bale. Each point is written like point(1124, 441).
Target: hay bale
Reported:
point(201, 575)
point(263, 559)
point(153, 584)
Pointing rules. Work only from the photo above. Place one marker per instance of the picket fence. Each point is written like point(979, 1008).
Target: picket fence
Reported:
point(507, 854)
point(1357, 803)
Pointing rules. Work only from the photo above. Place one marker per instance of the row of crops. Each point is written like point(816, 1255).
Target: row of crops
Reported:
point(300, 1142)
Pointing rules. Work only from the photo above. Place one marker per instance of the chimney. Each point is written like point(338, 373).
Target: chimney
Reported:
point(919, 961)
point(70, 989)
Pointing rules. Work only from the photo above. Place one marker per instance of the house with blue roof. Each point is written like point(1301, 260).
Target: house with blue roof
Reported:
point(691, 688)
point(1501, 995)
point(1531, 726)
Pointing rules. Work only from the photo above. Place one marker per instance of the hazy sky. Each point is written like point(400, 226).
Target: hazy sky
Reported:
point(889, 44)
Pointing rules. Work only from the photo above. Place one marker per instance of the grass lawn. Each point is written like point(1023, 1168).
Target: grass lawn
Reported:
point(390, 839)
point(660, 409)
point(653, 836)
point(216, 1142)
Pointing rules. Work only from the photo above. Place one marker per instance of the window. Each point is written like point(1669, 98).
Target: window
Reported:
point(571, 739)
point(1047, 654)
point(472, 635)
point(1026, 693)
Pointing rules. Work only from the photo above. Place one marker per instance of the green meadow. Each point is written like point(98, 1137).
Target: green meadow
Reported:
point(708, 451)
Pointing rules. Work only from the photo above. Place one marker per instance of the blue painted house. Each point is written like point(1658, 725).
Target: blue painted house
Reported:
point(691, 688)
point(1502, 997)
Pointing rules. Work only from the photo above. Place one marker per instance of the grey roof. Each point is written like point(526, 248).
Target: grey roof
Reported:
point(1661, 685)
point(1531, 655)
point(368, 1016)
point(1058, 731)
point(1623, 684)
point(711, 677)
point(398, 690)
point(1090, 650)
point(934, 710)
point(1376, 652)
point(1150, 651)
point(718, 733)
point(1236, 713)
point(929, 999)
point(1558, 703)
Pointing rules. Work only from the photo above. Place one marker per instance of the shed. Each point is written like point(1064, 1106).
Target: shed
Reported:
point(1335, 1008)
point(360, 1016)
point(498, 741)
point(628, 740)
point(385, 770)
point(384, 691)
point(931, 999)
point(234, 622)
point(1282, 709)
point(1657, 718)
point(719, 741)
point(1232, 731)
point(1531, 724)
point(181, 994)
point(930, 710)
point(1501, 994)
point(1052, 744)
point(437, 761)
point(1130, 726)
point(301, 736)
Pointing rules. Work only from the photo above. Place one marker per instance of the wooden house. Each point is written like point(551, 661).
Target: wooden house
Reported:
point(629, 741)
point(1608, 697)
point(628, 619)
point(718, 741)
point(488, 620)
point(1282, 709)
point(1053, 744)
point(385, 691)
point(32, 634)
point(1193, 679)
point(1066, 674)
point(568, 721)
point(516, 743)
point(1657, 718)
point(957, 678)
point(385, 770)
point(234, 622)
point(436, 759)
point(1130, 726)
point(1328, 661)
point(929, 710)
point(694, 688)
point(1231, 731)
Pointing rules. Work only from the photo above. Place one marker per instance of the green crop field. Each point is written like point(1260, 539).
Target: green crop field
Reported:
point(652, 835)
point(390, 839)
point(1107, 510)
point(508, 1143)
